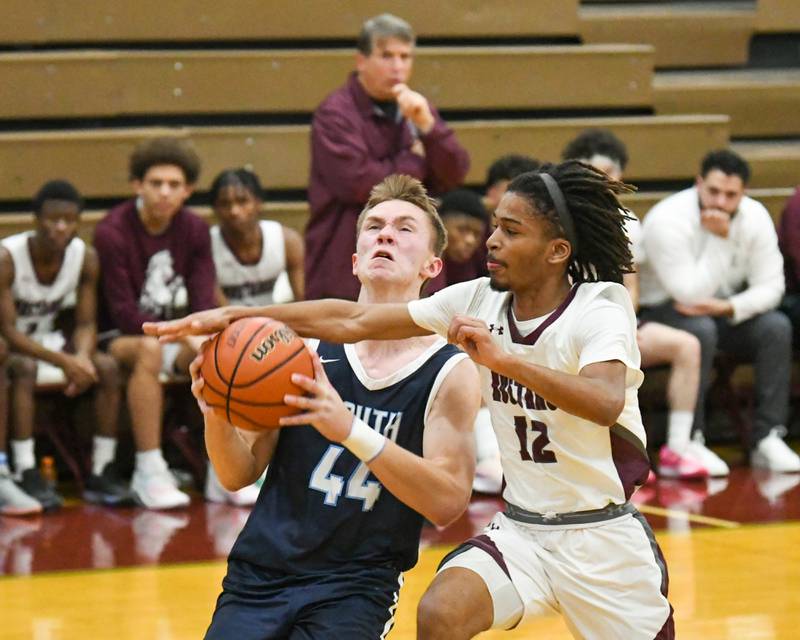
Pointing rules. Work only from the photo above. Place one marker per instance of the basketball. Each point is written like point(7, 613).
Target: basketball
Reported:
point(248, 369)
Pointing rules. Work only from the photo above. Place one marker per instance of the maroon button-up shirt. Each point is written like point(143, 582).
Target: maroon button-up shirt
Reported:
point(354, 146)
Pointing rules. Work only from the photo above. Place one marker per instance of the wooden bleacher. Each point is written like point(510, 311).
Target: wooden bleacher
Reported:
point(691, 34)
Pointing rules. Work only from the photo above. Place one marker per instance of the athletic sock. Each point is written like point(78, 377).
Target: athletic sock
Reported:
point(679, 430)
point(24, 457)
point(103, 452)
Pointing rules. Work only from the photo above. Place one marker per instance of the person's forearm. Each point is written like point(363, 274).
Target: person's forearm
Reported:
point(231, 456)
point(84, 339)
point(588, 398)
point(21, 343)
point(426, 486)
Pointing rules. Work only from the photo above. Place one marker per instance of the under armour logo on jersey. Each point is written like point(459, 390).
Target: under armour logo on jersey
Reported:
point(499, 329)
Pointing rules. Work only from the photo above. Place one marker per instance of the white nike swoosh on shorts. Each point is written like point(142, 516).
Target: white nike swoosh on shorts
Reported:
point(324, 361)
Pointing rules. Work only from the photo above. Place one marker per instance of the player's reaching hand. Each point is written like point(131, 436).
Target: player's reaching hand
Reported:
point(322, 406)
point(473, 337)
point(197, 378)
point(195, 324)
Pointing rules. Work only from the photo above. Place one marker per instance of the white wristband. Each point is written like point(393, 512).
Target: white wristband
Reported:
point(364, 441)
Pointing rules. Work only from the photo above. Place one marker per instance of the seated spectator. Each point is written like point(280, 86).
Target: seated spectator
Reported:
point(501, 172)
point(44, 274)
point(465, 218)
point(252, 256)
point(13, 500)
point(659, 344)
point(373, 126)
point(156, 264)
point(714, 269)
point(789, 243)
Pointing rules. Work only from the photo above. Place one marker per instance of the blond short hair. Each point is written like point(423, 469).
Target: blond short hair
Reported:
point(411, 190)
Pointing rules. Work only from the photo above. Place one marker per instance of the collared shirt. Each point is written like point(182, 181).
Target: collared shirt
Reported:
point(354, 146)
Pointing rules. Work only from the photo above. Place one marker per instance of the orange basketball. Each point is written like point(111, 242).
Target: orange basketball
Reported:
point(248, 369)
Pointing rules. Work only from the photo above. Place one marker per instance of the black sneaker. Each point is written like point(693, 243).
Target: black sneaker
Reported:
point(108, 488)
point(34, 485)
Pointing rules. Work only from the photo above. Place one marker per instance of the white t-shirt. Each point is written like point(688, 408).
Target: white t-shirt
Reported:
point(687, 263)
point(555, 462)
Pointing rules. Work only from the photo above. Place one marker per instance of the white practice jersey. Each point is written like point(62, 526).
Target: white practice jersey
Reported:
point(38, 304)
point(555, 462)
point(250, 284)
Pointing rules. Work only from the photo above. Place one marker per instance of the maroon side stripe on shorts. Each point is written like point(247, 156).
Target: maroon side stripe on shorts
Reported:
point(484, 543)
point(667, 631)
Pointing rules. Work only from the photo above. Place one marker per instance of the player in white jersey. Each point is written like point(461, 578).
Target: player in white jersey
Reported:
point(45, 274)
point(555, 333)
point(258, 262)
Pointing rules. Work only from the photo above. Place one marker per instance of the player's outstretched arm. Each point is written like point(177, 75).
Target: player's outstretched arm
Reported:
point(437, 485)
point(238, 458)
point(331, 320)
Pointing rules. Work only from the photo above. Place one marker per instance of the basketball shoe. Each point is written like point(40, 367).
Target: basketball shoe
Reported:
point(32, 483)
point(682, 465)
point(774, 454)
point(13, 500)
point(108, 488)
point(157, 490)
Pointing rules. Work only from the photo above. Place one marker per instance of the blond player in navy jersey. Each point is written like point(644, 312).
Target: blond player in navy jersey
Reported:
point(555, 334)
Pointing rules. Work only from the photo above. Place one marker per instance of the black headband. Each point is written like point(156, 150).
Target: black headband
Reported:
point(564, 216)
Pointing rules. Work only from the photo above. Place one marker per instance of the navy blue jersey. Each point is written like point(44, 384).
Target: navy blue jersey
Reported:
point(320, 507)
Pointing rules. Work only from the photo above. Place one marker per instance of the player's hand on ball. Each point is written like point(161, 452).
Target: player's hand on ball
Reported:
point(321, 407)
point(197, 377)
point(473, 338)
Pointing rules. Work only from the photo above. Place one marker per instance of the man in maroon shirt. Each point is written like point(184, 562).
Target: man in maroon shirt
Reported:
point(372, 127)
point(155, 264)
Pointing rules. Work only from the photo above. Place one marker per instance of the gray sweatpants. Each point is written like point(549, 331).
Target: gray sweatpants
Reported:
point(764, 340)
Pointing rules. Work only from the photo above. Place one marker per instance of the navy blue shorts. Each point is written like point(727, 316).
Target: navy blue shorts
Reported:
point(357, 604)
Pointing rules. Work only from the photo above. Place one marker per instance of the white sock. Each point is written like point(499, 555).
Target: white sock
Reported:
point(24, 458)
point(150, 461)
point(679, 429)
point(103, 452)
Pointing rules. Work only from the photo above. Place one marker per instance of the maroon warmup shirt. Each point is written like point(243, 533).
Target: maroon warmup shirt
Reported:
point(354, 146)
point(146, 277)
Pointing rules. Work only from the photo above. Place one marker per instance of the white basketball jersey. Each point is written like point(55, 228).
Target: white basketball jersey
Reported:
point(38, 304)
point(250, 284)
point(555, 462)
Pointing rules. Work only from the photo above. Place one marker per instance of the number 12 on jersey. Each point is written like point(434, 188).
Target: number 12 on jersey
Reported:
point(358, 487)
point(537, 451)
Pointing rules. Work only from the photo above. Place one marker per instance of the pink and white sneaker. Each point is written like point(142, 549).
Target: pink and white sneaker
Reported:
point(684, 466)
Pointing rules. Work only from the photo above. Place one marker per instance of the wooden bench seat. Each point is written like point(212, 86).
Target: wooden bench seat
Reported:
point(44, 21)
point(691, 34)
point(760, 102)
point(778, 16)
point(96, 160)
point(122, 83)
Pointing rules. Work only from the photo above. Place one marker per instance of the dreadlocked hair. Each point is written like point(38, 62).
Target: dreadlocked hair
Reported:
point(603, 250)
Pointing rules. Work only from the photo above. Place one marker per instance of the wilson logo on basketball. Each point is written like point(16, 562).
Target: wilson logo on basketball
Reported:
point(284, 335)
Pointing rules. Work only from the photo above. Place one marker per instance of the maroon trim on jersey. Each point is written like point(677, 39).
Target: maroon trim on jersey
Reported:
point(630, 459)
point(484, 543)
point(532, 337)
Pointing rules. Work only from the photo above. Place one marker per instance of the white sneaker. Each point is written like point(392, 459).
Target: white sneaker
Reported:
point(157, 490)
point(215, 492)
point(13, 500)
point(488, 476)
point(699, 451)
point(774, 454)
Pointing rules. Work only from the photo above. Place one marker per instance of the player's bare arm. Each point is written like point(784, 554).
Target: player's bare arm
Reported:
point(82, 373)
point(597, 393)
point(437, 485)
point(295, 251)
point(331, 320)
point(239, 458)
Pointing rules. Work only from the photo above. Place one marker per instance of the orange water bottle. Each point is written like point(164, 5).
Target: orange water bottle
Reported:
point(47, 467)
